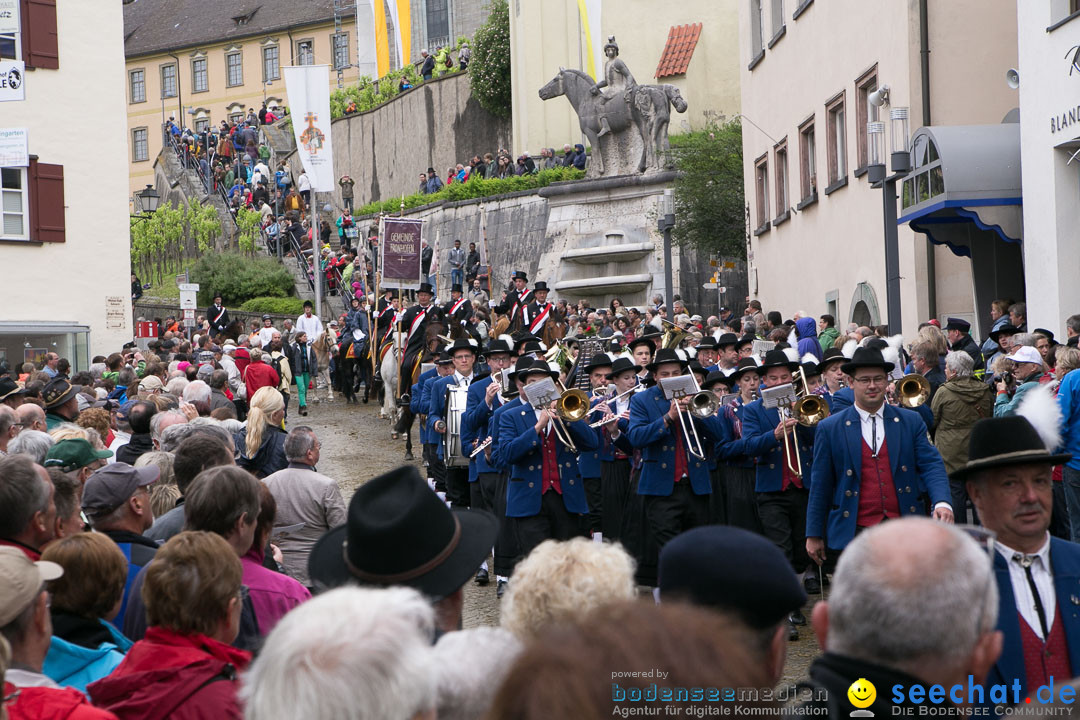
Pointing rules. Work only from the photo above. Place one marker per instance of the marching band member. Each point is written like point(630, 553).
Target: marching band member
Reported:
point(444, 366)
point(706, 352)
point(642, 348)
point(546, 499)
point(727, 352)
point(464, 353)
point(616, 452)
point(831, 374)
point(717, 383)
point(597, 370)
point(674, 483)
point(811, 371)
point(736, 466)
point(745, 346)
point(872, 461)
point(781, 492)
point(541, 317)
point(416, 395)
point(517, 300)
point(484, 398)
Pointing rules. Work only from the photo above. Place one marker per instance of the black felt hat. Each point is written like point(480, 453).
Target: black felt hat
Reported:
point(463, 344)
point(831, 355)
point(598, 360)
point(9, 388)
point(1004, 330)
point(732, 570)
point(746, 364)
point(728, 339)
point(540, 286)
point(777, 358)
point(1000, 441)
point(398, 532)
point(426, 288)
point(622, 364)
point(866, 357)
point(664, 356)
point(714, 378)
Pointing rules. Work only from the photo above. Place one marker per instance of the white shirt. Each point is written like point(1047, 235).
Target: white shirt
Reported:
point(1043, 575)
point(310, 325)
point(266, 334)
point(460, 379)
point(120, 438)
point(303, 183)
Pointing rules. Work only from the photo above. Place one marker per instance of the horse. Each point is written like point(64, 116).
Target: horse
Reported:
point(651, 108)
point(324, 348)
point(388, 370)
point(577, 87)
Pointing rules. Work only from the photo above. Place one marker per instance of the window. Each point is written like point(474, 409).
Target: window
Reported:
point(305, 52)
point(137, 80)
point(782, 211)
point(9, 46)
point(761, 175)
point(341, 51)
point(236, 117)
point(234, 69)
point(271, 63)
point(199, 80)
point(437, 20)
point(168, 81)
point(15, 204)
point(757, 30)
point(807, 160)
point(777, 20)
point(926, 180)
point(865, 112)
point(139, 149)
point(202, 124)
point(837, 144)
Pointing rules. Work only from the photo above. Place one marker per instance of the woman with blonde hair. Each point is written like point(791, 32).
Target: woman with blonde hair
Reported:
point(260, 447)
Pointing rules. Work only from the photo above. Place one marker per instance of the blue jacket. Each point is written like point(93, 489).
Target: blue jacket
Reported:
point(651, 434)
point(731, 450)
point(589, 460)
point(432, 437)
point(916, 466)
point(416, 400)
point(607, 447)
point(1065, 563)
point(76, 666)
point(497, 447)
point(436, 407)
point(522, 448)
point(758, 423)
point(1068, 398)
point(474, 426)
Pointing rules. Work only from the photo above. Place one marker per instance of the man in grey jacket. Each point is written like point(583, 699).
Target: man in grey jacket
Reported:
point(456, 259)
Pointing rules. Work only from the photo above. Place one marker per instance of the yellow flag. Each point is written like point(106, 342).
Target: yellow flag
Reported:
point(382, 41)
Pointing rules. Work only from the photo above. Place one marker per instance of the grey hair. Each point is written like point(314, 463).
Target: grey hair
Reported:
point(912, 572)
point(1028, 339)
point(469, 667)
point(960, 363)
point(196, 391)
point(176, 386)
point(175, 434)
point(159, 419)
point(8, 417)
point(33, 443)
point(97, 370)
point(299, 441)
point(353, 652)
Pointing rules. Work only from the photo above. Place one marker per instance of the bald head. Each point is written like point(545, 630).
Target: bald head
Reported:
point(32, 417)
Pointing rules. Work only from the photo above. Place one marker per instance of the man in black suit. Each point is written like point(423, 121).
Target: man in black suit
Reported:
point(217, 316)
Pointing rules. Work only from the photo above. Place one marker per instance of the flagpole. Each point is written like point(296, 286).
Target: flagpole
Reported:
point(316, 256)
point(376, 341)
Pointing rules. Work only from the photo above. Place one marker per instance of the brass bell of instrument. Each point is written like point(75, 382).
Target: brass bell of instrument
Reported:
point(704, 404)
point(673, 335)
point(572, 405)
point(912, 391)
point(809, 410)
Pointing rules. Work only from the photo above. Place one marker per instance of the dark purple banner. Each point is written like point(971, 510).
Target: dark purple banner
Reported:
point(400, 253)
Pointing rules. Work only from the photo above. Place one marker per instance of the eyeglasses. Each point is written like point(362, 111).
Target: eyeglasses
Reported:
point(875, 380)
point(987, 540)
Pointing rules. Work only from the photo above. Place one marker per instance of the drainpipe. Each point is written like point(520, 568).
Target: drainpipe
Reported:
point(924, 68)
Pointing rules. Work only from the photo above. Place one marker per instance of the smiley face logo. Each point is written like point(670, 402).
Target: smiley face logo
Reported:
point(862, 693)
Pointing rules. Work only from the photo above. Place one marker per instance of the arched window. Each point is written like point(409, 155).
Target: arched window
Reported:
point(925, 181)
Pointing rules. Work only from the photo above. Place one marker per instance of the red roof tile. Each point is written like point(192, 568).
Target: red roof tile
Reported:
point(682, 39)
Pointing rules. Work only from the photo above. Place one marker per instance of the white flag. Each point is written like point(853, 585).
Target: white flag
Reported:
point(366, 56)
point(308, 89)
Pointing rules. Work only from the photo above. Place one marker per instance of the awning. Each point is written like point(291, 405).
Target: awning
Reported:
point(965, 180)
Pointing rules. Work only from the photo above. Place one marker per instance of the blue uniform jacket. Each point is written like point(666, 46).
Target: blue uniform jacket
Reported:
point(497, 447)
point(731, 450)
point(916, 467)
point(416, 404)
point(1065, 564)
point(622, 444)
point(758, 423)
point(436, 407)
point(474, 426)
point(655, 439)
point(589, 460)
point(431, 437)
point(523, 451)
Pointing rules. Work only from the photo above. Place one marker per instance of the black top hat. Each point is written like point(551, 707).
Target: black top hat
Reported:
point(1001, 441)
point(9, 388)
point(456, 287)
point(523, 336)
point(463, 344)
point(58, 392)
point(1049, 335)
point(727, 339)
point(523, 362)
point(746, 364)
point(1004, 330)
point(732, 570)
point(866, 357)
point(664, 356)
point(830, 356)
point(497, 346)
point(777, 358)
point(957, 324)
point(714, 378)
point(599, 360)
point(520, 275)
point(622, 364)
point(531, 346)
point(426, 288)
point(398, 532)
point(540, 286)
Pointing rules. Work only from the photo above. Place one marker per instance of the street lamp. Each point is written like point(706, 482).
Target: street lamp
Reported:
point(148, 201)
point(901, 163)
point(664, 225)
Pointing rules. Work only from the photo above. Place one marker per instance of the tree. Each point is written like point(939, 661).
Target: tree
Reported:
point(709, 200)
point(489, 69)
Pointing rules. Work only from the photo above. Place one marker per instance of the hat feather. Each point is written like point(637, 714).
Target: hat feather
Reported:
point(849, 348)
point(793, 337)
point(792, 354)
point(1041, 409)
point(508, 340)
point(809, 358)
point(895, 342)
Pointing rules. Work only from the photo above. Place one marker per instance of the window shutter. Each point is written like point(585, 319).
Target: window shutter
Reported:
point(47, 222)
point(40, 46)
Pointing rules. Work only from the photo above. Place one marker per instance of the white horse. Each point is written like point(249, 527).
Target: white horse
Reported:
point(389, 368)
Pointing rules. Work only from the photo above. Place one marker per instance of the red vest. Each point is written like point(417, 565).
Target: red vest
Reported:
point(549, 465)
point(789, 478)
point(877, 494)
point(681, 467)
point(1044, 660)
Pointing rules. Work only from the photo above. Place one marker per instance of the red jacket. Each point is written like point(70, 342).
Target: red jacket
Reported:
point(169, 675)
point(259, 375)
point(43, 703)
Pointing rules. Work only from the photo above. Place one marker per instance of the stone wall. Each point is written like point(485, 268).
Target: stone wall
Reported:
point(437, 124)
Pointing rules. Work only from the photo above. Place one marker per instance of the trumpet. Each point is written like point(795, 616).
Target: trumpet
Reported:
point(912, 391)
point(480, 448)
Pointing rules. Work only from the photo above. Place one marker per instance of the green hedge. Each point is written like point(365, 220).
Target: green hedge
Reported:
point(238, 278)
point(274, 305)
point(473, 189)
point(489, 70)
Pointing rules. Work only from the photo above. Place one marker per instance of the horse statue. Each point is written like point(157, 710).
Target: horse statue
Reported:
point(651, 108)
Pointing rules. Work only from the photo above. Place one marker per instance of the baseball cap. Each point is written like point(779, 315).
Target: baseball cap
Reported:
point(21, 580)
point(1026, 354)
point(109, 487)
point(151, 383)
point(74, 453)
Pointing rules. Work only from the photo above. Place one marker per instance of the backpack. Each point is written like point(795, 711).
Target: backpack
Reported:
point(275, 362)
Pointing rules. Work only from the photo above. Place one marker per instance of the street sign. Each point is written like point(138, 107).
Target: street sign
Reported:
point(189, 322)
point(709, 286)
point(188, 287)
point(181, 278)
point(189, 314)
point(722, 289)
point(187, 301)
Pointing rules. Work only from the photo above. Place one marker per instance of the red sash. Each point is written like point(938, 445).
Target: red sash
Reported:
point(540, 319)
point(457, 306)
point(417, 321)
point(214, 321)
point(520, 303)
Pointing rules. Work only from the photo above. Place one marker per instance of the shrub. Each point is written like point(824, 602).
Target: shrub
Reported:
point(274, 305)
point(709, 200)
point(489, 69)
point(238, 278)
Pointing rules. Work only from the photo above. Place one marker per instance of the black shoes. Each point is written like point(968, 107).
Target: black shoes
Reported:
point(482, 577)
point(500, 589)
point(797, 618)
point(793, 633)
point(812, 585)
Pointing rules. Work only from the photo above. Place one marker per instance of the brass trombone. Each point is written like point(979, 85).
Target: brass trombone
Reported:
point(808, 410)
point(572, 405)
point(691, 439)
point(704, 404)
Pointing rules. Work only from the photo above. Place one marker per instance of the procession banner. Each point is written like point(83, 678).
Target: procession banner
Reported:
point(308, 88)
point(367, 62)
point(399, 252)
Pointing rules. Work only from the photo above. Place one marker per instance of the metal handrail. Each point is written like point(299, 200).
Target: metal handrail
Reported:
point(209, 183)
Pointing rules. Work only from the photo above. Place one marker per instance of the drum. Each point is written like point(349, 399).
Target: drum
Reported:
point(456, 398)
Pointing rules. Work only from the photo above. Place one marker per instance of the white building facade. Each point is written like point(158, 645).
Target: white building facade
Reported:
point(64, 238)
point(809, 69)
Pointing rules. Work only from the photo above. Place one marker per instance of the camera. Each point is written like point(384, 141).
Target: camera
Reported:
point(1007, 378)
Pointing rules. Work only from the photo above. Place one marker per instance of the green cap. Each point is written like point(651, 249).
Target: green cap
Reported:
point(73, 454)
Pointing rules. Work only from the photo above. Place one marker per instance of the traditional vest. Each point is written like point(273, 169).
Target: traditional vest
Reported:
point(877, 494)
point(549, 475)
point(1044, 660)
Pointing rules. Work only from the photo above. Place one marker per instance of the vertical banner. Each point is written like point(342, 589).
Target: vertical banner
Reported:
point(382, 41)
point(434, 269)
point(308, 88)
point(399, 252)
point(404, 26)
point(589, 12)
point(366, 55)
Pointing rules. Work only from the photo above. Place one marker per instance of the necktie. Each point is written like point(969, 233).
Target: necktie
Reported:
point(873, 434)
point(1025, 562)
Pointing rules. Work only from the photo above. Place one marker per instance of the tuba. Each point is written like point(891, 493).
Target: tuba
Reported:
point(673, 335)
